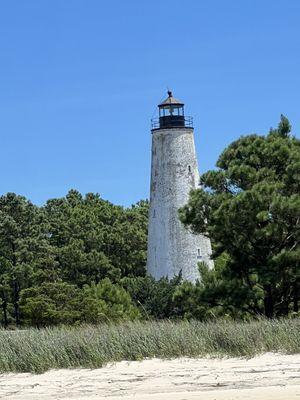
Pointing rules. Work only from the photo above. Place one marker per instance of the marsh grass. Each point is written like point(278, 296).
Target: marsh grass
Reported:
point(37, 350)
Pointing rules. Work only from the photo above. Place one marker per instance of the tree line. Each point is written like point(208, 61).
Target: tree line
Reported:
point(81, 259)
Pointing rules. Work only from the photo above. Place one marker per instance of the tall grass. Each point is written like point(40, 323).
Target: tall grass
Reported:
point(36, 350)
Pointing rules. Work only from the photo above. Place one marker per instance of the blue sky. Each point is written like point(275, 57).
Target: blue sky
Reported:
point(80, 81)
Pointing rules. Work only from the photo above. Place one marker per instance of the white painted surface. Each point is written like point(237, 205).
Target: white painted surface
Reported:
point(174, 172)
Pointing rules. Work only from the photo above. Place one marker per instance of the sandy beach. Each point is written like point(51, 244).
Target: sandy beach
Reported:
point(270, 376)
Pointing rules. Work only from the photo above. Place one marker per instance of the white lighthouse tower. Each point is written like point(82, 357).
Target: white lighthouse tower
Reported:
point(172, 248)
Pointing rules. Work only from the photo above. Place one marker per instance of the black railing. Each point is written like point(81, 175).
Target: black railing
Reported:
point(172, 121)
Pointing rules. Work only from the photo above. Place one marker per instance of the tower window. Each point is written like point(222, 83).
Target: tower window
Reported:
point(190, 169)
point(199, 254)
point(153, 213)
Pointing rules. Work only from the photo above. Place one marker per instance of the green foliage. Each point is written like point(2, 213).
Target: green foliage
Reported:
point(250, 207)
point(73, 241)
point(63, 304)
point(25, 253)
point(95, 239)
point(107, 301)
point(51, 304)
point(154, 298)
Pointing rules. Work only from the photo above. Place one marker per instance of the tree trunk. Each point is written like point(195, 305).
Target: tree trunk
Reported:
point(16, 287)
point(4, 309)
point(296, 296)
point(16, 292)
point(268, 301)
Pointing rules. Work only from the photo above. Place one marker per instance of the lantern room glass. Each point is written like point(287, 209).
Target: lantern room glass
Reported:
point(171, 110)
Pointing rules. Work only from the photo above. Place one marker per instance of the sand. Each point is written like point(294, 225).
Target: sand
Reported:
point(270, 376)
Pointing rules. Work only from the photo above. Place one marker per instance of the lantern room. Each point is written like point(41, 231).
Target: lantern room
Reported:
point(171, 112)
point(171, 115)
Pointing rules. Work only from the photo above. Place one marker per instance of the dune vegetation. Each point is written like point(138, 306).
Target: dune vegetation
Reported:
point(92, 346)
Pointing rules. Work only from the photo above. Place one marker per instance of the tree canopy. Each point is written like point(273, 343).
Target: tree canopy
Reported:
point(250, 207)
point(56, 258)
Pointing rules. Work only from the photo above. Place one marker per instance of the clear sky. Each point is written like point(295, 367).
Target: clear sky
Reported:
point(80, 80)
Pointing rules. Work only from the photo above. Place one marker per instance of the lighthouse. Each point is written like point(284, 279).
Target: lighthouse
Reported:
point(173, 248)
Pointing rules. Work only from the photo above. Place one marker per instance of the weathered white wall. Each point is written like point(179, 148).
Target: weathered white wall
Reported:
point(174, 172)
